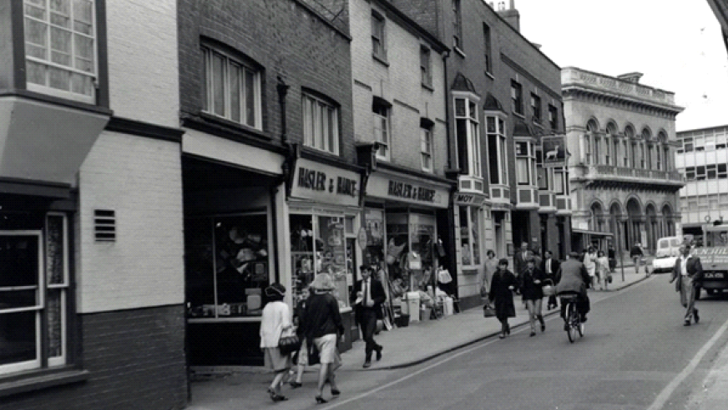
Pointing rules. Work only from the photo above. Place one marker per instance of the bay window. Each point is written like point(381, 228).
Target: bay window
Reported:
point(320, 124)
point(61, 48)
point(231, 89)
point(468, 136)
point(470, 235)
point(497, 159)
point(525, 163)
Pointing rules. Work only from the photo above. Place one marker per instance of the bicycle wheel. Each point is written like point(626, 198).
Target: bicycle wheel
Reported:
point(581, 328)
point(572, 321)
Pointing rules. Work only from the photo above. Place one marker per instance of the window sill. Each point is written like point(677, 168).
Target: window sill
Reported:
point(489, 75)
point(381, 60)
point(428, 87)
point(220, 121)
point(459, 52)
point(519, 115)
point(44, 379)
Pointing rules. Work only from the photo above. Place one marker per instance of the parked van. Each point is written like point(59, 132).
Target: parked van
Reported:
point(668, 249)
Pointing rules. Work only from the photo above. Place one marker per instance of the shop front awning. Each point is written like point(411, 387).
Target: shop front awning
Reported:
point(592, 233)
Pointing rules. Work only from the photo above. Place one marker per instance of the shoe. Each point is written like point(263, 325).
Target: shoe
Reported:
point(335, 392)
point(379, 353)
point(543, 327)
point(687, 322)
point(275, 396)
point(320, 400)
point(502, 336)
point(508, 330)
point(532, 334)
point(295, 384)
point(367, 364)
point(697, 318)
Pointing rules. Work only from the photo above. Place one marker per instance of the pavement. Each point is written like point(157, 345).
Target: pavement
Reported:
point(244, 387)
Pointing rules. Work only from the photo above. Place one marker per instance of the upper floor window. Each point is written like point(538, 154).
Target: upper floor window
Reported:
point(378, 47)
point(231, 89)
point(61, 48)
point(666, 156)
point(457, 25)
point(545, 175)
point(561, 181)
point(553, 117)
point(688, 144)
point(497, 160)
point(426, 148)
point(525, 163)
point(381, 129)
point(536, 108)
point(487, 49)
point(425, 66)
point(468, 136)
point(320, 124)
point(516, 97)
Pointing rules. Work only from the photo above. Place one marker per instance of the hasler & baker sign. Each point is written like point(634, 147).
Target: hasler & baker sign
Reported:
point(326, 184)
point(407, 191)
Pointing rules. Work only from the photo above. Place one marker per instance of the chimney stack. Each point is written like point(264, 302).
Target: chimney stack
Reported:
point(631, 77)
point(510, 15)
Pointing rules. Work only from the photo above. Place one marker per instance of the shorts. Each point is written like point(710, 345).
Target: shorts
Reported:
point(326, 346)
point(275, 360)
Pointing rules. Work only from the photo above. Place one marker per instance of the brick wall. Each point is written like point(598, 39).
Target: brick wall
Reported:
point(284, 37)
point(399, 83)
point(135, 359)
point(141, 180)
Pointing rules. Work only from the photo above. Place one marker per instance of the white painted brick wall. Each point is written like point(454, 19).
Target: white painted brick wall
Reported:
point(140, 179)
point(143, 60)
point(398, 82)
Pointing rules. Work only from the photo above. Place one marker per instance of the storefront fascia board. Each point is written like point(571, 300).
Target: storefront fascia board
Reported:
point(227, 151)
point(469, 199)
point(325, 184)
point(406, 189)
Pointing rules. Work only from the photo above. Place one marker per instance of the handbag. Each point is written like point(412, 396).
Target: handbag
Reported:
point(488, 310)
point(289, 344)
point(549, 290)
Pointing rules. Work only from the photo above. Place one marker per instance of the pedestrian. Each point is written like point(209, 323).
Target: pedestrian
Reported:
point(491, 265)
point(603, 272)
point(572, 277)
point(519, 260)
point(367, 296)
point(612, 255)
point(275, 320)
point(531, 284)
point(324, 330)
point(590, 263)
point(549, 267)
point(299, 313)
point(688, 271)
point(636, 254)
point(501, 295)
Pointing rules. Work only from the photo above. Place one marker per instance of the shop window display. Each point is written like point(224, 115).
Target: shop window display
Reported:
point(227, 265)
point(318, 245)
point(469, 235)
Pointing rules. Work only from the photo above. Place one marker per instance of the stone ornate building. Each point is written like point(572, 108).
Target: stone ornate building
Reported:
point(621, 137)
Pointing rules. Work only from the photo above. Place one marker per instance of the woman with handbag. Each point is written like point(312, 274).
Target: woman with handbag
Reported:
point(275, 323)
point(324, 329)
point(501, 294)
point(302, 355)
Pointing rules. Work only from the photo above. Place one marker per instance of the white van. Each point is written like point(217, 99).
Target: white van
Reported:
point(668, 249)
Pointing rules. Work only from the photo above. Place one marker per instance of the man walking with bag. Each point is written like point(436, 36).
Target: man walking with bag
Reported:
point(688, 271)
point(367, 295)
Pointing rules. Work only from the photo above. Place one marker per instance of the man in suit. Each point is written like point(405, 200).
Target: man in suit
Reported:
point(522, 256)
point(572, 277)
point(549, 266)
point(367, 295)
point(688, 271)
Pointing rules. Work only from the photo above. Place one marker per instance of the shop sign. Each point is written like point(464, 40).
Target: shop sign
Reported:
point(553, 151)
point(468, 199)
point(408, 191)
point(325, 184)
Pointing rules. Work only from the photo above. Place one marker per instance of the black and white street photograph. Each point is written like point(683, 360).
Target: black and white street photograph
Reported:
point(363, 204)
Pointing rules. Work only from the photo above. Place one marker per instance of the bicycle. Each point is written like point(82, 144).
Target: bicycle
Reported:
point(574, 324)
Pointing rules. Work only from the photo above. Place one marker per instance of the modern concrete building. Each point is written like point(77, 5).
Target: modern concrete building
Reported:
point(702, 157)
point(621, 137)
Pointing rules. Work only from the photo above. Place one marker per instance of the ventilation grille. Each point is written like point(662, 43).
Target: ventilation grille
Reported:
point(105, 225)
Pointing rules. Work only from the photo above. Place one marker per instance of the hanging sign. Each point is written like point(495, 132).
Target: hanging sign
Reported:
point(553, 151)
point(460, 198)
point(325, 184)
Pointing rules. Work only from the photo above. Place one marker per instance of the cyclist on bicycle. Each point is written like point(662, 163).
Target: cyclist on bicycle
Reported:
point(572, 277)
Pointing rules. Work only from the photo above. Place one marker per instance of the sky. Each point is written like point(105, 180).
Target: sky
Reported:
point(676, 44)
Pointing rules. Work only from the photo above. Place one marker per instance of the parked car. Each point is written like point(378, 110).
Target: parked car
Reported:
point(668, 249)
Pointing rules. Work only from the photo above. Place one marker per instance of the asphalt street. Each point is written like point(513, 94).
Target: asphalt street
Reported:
point(636, 354)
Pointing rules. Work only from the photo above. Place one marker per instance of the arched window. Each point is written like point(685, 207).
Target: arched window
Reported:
point(646, 154)
point(662, 151)
point(611, 146)
point(629, 145)
point(591, 143)
point(597, 219)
